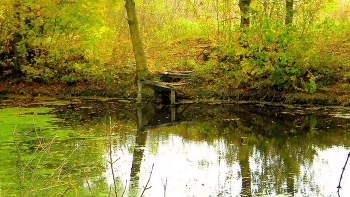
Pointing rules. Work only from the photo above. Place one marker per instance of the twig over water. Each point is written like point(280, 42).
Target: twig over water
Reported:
point(341, 176)
point(165, 185)
point(149, 178)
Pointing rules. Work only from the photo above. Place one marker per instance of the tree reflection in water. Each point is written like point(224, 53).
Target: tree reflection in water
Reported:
point(274, 148)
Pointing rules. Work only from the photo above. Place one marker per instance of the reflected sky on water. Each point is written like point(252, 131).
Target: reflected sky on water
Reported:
point(295, 163)
point(199, 169)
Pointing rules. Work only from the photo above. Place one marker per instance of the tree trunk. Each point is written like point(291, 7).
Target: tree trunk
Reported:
point(289, 12)
point(244, 7)
point(17, 52)
point(141, 63)
point(17, 55)
point(137, 155)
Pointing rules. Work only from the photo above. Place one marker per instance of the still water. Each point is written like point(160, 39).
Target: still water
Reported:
point(94, 147)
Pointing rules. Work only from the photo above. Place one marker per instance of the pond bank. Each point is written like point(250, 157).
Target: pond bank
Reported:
point(328, 96)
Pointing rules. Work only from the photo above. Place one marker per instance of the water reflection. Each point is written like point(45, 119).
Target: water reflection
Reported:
point(248, 154)
point(197, 150)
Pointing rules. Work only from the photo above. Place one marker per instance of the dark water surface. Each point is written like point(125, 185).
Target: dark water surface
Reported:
point(94, 147)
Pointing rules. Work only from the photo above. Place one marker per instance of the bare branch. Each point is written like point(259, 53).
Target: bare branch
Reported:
point(111, 157)
point(87, 181)
point(165, 185)
point(341, 176)
point(126, 183)
point(149, 178)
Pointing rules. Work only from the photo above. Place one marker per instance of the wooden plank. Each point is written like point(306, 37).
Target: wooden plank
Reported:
point(176, 74)
point(168, 91)
point(180, 73)
point(159, 86)
point(172, 97)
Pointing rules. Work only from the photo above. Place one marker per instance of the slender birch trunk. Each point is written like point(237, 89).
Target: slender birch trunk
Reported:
point(244, 7)
point(141, 62)
point(289, 12)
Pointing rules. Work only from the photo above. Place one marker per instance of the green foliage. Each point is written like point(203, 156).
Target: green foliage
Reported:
point(310, 86)
point(346, 86)
point(53, 36)
point(273, 56)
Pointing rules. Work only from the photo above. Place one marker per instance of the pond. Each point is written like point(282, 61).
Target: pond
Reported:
point(97, 147)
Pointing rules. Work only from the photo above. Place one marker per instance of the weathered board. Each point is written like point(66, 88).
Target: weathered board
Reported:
point(159, 86)
point(167, 88)
point(171, 76)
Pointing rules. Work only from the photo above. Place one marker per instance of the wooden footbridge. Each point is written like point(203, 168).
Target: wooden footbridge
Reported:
point(167, 86)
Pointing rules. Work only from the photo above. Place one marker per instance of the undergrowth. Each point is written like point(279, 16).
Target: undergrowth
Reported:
point(306, 56)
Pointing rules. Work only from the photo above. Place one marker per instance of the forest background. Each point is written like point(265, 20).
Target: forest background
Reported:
point(83, 47)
